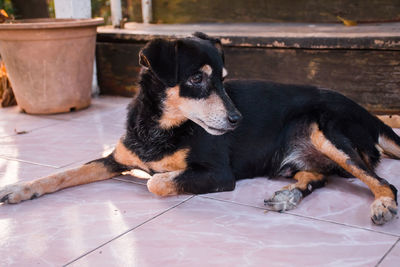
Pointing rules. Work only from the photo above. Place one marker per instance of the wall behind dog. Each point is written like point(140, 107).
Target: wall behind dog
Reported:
point(192, 11)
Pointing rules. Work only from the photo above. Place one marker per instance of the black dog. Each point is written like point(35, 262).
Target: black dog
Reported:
point(195, 134)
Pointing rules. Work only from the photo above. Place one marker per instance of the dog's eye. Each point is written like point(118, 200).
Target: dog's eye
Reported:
point(196, 79)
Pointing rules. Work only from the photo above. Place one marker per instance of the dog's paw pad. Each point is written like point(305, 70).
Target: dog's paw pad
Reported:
point(16, 193)
point(284, 199)
point(383, 210)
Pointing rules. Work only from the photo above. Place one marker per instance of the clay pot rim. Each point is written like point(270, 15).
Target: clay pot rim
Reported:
point(46, 23)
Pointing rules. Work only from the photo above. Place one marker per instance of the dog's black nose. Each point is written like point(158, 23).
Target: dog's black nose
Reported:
point(234, 118)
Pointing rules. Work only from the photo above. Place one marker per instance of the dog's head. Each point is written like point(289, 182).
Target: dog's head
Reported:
point(192, 70)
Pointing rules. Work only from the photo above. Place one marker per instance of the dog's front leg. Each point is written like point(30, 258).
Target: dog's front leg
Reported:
point(97, 170)
point(194, 180)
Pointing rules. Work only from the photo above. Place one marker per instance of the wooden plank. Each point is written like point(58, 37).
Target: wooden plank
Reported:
point(370, 77)
point(194, 11)
point(391, 120)
point(272, 35)
point(117, 68)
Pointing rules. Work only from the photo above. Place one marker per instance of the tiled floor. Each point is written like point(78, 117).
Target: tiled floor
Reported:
point(119, 223)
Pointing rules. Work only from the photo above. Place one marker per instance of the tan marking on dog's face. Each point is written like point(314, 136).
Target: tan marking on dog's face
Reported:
point(162, 184)
point(389, 147)
point(323, 145)
point(207, 112)
point(206, 69)
point(173, 162)
point(303, 179)
point(172, 115)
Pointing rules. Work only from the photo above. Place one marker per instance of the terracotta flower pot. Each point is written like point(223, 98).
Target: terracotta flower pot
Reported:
point(50, 62)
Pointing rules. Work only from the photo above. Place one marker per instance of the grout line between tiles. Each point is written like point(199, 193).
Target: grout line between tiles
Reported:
point(28, 162)
point(387, 252)
point(127, 181)
point(96, 155)
point(128, 231)
point(303, 216)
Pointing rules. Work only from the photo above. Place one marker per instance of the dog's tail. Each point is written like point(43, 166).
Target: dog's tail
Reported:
point(389, 141)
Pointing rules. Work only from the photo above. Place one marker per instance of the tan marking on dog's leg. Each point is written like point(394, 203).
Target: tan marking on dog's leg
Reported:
point(304, 178)
point(383, 210)
point(124, 156)
point(384, 207)
point(323, 145)
point(162, 184)
point(91, 172)
point(174, 162)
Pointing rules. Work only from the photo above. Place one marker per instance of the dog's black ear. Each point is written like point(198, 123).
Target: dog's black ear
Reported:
point(215, 41)
point(160, 56)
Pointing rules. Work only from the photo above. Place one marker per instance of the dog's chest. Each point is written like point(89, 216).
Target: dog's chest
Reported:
point(171, 162)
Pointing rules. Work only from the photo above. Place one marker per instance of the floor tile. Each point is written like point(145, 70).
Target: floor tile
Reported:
point(100, 107)
point(345, 201)
point(135, 176)
point(13, 171)
point(205, 232)
point(393, 258)
point(114, 117)
point(12, 122)
point(59, 227)
point(61, 144)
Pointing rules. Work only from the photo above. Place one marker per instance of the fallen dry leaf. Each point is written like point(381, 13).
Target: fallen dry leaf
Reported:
point(20, 132)
point(347, 22)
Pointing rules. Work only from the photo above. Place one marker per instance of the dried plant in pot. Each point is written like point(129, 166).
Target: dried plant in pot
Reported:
point(50, 62)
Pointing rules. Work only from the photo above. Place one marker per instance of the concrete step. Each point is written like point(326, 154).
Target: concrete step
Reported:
point(362, 62)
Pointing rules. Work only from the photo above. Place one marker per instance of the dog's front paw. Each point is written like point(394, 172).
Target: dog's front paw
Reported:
point(383, 210)
point(162, 184)
point(16, 193)
point(284, 199)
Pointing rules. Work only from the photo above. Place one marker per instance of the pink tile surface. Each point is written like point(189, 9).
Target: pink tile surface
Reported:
point(204, 232)
point(13, 121)
point(61, 144)
point(345, 201)
point(393, 258)
point(57, 228)
point(12, 171)
point(131, 179)
point(100, 106)
point(113, 117)
point(331, 227)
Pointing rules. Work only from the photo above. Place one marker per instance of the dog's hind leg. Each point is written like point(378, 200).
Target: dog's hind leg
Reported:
point(338, 148)
point(96, 170)
point(389, 142)
point(291, 195)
